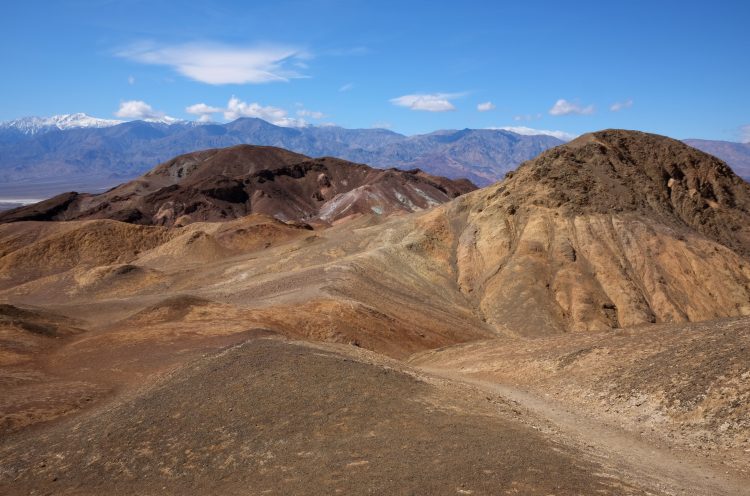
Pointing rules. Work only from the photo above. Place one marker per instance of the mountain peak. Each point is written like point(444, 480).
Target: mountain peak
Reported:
point(636, 173)
point(35, 125)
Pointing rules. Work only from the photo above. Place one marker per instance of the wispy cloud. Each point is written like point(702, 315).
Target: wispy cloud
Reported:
point(131, 80)
point(431, 102)
point(215, 63)
point(486, 106)
point(564, 107)
point(346, 87)
point(138, 109)
point(617, 106)
point(527, 131)
point(745, 134)
point(381, 125)
point(313, 114)
point(527, 117)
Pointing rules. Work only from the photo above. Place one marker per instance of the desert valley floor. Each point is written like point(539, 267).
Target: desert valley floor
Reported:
point(581, 327)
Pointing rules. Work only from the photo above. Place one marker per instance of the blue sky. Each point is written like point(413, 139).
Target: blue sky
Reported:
point(676, 68)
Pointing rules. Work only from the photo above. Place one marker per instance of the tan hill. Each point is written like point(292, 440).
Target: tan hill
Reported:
point(615, 230)
point(288, 418)
point(223, 184)
point(611, 230)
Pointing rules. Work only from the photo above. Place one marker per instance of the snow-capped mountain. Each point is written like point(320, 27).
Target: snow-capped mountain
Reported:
point(36, 125)
point(121, 152)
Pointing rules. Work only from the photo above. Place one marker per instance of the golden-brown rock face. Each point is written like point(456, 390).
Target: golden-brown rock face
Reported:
point(615, 229)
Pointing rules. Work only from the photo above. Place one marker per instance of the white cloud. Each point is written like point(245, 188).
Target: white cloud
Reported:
point(131, 80)
point(617, 106)
point(140, 110)
point(236, 108)
point(486, 106)
point(202, 108)
point(346, 87)
point(381, 125)
point(436, 102)
point(214, 63)
point(564, 107)
point(310, 113)
point(203, 111)
point(527, 131)
point(745, 134)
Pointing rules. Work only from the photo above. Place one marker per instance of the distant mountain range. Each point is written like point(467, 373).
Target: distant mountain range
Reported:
point(40, 157)
point(52, 155)
point(36, 125)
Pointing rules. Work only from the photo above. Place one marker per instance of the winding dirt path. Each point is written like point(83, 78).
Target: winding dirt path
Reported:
point(657, 467)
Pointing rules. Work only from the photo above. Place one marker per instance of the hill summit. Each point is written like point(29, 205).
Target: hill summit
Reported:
point(616, 228)
point(616, 171)
point(227, 183)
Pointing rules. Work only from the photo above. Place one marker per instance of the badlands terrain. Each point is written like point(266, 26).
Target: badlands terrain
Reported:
point(253, 321)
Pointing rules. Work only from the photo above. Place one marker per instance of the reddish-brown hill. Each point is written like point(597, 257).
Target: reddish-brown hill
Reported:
point(227, 183)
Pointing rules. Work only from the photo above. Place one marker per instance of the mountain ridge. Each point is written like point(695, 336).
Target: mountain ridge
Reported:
point(35, 125)
point(108, 155)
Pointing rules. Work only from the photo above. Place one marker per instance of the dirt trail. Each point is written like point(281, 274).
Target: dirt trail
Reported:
point(668, 471)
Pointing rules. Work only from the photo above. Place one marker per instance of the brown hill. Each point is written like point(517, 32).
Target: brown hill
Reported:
point(618, 172)
point(615, 229)
point(289, 418)
point(227, 183)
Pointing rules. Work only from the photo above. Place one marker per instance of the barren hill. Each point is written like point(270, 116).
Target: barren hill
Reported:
point(614, 229)
point(222, 184)
point(286, 418)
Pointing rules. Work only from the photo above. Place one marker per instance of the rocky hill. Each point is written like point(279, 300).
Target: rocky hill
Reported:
point(222, 184)
point(614, 229)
